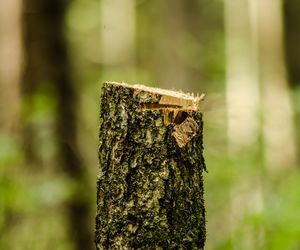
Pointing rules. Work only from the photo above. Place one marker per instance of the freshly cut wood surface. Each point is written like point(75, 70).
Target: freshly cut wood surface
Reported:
point(167, 97)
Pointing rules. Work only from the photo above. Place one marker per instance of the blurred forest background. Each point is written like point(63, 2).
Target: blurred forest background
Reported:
point(54, 55)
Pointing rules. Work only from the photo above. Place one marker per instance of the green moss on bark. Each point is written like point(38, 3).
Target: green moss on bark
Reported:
point(149, 190)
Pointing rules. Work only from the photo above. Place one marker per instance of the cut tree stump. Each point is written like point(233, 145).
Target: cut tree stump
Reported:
point(150, 185)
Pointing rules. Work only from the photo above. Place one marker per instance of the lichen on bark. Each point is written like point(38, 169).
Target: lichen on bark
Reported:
point(149, 189)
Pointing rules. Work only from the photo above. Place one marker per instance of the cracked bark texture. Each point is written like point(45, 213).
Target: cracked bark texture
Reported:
point(150, 188)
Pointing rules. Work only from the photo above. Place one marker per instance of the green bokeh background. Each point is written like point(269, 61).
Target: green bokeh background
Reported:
point(248, 206)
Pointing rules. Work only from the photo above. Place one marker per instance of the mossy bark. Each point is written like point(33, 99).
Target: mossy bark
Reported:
point(150, 187)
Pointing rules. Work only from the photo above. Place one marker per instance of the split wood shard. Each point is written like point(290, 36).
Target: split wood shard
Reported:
point(185, 131)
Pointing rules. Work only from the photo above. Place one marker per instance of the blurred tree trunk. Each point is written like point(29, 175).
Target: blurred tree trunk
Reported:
point(10, 66)
point(243, 100)
point(117, 39)
point(255, 55)
point(292, 39)
point(278, 119)
point(47, 65)
point(256, 77)
point(10, 59)
point(242, 84)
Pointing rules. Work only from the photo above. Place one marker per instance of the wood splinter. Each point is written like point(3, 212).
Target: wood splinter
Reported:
point(150, 184)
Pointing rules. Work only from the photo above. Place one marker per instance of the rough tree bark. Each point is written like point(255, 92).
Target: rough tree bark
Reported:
point(150, 186)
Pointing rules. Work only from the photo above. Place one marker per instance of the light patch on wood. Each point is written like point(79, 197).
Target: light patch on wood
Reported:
point(190, 103)
point(185, 131)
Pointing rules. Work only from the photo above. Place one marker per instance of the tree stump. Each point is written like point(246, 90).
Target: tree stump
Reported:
point(150, 185)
